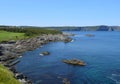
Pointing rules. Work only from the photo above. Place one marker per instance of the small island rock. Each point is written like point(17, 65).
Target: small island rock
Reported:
point(45, 53)
point(75, 62)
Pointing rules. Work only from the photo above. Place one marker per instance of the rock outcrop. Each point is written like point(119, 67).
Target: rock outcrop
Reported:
point(11, 51)
point(75, 62)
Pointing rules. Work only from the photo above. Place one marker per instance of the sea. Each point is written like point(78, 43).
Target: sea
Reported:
point(100, 52)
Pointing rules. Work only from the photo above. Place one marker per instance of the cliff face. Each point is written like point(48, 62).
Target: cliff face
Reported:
point(116, 28)
point(104, 28)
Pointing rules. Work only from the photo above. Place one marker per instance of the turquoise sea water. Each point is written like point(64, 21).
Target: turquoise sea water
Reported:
point(101, 53)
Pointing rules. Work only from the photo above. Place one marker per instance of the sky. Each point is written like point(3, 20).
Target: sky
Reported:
point(59, 12)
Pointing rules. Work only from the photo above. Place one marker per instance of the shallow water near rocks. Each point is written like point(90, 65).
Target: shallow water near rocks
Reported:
point(101, 53)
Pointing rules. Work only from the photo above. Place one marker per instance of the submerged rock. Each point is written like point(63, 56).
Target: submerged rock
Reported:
point(45, 53)
point(66, 81)
point(90, 35)
point(75, 62)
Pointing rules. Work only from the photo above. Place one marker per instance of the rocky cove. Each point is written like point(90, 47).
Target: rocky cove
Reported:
point(11, 51)
point(100, 52)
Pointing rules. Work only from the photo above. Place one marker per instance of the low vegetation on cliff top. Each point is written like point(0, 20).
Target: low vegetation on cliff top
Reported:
point(6, 36)
point(15, 33)
point(6, 76)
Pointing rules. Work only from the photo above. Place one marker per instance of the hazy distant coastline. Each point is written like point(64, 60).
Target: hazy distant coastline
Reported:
point(72, 28)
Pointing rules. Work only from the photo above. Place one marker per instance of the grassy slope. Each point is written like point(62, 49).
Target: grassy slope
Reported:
point(6, 76)
point(5, 36)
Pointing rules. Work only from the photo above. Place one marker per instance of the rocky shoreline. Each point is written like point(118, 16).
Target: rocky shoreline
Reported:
point(11, 51)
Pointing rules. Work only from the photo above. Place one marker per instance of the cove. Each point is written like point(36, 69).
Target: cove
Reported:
point(101, 53)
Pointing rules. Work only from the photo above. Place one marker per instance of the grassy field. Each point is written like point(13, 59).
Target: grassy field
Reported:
point(6, 36)
point(6, 76)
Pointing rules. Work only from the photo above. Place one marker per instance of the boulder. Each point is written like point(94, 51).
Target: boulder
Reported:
point(75, 62)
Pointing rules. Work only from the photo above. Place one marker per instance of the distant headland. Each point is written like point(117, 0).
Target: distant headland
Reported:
point(72, 28)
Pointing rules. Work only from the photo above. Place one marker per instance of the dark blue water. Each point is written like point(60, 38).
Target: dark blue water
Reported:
point(101, 53)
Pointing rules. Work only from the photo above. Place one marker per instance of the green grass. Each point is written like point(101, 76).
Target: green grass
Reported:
point(6, 76)
point(6, 36)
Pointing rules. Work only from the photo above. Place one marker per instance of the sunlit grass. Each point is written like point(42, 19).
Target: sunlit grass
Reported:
point(6, 76)
point(6, 36)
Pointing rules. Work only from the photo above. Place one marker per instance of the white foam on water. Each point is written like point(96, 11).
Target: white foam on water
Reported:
point(20, 56)
point(115, 75)
point(41, 54)
point(72, 41)
point(112, 77)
